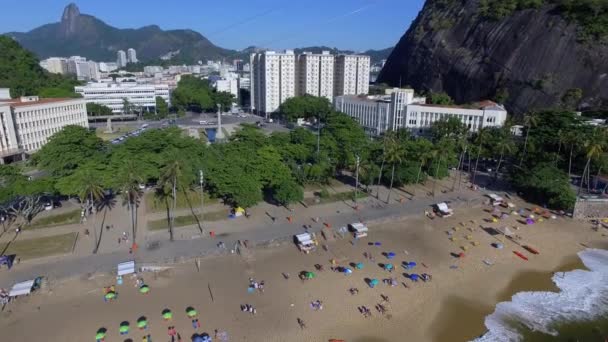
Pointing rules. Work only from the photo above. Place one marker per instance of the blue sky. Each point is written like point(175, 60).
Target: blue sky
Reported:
point(236, 24)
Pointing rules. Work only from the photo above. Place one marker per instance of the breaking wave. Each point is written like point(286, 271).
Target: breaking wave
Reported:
point(583, 296)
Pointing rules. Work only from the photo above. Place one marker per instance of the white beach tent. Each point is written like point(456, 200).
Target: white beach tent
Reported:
point(126, 268)
point(304, 239)
point(359, 227)
point(22, 288)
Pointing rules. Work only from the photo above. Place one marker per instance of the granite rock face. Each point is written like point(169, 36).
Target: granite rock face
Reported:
point(534, 55)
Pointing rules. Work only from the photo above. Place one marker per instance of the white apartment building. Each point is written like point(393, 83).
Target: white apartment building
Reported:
point(399, 108)
point(273, 80)
point(131, 56)
point(351, 75)
point(228, 85)
point(28, 122)
point(316, 75)
point(112, 94)
point(121, 59)
point(56, 65)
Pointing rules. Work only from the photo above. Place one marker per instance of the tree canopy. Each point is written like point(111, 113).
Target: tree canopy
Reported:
point(306, 106)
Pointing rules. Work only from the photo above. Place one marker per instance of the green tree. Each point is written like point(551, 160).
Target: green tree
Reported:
point(306, 106)
point(171, 176)
point(440, 98)
point(545, 184)
point(68, 149)
point(129, 182)
point(162, 108)
point(224, 99)
point(94, 109)
point(287, 191)
point(450, 128)
point(572, 98)
point(193, 94)
point(594, 145)
point(530, 121)
point(395, 153)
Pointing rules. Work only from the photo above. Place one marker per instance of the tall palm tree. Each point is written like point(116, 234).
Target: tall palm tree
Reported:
point(91, 191)
point(423, 157)
point(530, 121)
point(461, 145)
point(131, 193)
point(504, 144)
point(480, 140)
point(169, 179)
point(571, 138)
point(437, 154)
point(387, 136)
point(395, 152)
point(594, 147)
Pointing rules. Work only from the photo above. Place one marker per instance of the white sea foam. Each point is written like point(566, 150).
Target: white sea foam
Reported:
point(583, 295)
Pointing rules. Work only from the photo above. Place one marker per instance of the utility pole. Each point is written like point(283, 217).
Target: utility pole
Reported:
point(202, 182)
point(318, 136)
point(357, 178)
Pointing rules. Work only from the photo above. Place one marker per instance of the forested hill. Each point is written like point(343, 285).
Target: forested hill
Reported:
point(20, 71)
point(527, 54)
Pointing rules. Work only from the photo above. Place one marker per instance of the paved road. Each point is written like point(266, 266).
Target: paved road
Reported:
point(164, 251)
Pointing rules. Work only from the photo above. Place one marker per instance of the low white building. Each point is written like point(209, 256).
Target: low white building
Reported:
point(28, 122)
point(400, 108)
point(141, 96)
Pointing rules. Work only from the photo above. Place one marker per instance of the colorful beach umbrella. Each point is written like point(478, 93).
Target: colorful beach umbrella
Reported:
point(142, 323)
point(144, 289)
point(124, 328)
point(110, 295)
point(359, 265)
point(347, 270)
point(390, 255)
point(373, 282)
point(309, 275)
point(388, 266)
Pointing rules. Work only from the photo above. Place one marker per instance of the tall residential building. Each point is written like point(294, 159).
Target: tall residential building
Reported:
point(141, 96)
point(316, 75)
point(399, 108)
point(351, 75)
point(131, 56)
point(121, 59)
point(273, 80)
point(28, 122)
point(55, 65)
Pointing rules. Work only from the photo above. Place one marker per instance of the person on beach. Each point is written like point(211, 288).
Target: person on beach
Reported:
point(301, 323)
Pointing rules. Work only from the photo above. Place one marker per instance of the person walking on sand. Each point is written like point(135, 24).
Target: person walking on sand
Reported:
point(301, 323)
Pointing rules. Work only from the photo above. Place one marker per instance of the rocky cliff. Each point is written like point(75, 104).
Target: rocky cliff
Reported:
point(528, 58)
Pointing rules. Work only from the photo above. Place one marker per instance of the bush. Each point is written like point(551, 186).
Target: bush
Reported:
point(546, 185)
point(323, 193)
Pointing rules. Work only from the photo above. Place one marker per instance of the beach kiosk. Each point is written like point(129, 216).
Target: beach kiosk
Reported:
point(358, 229)
point(443, 210)
point(25, 287)
point(305, 242)
point(125, 268)
point(495, 200)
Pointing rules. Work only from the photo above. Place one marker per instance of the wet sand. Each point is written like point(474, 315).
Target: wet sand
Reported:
point(451, 307)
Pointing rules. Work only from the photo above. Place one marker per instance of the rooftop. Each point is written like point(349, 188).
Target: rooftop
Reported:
point(19, 103)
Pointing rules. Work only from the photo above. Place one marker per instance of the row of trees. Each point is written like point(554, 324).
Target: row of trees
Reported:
point(195, 94)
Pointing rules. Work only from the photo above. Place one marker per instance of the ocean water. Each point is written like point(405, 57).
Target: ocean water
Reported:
point(578, 312)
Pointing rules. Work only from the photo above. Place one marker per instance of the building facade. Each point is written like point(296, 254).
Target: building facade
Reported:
point(273, 80)
point(121, 59)
point(316, 75)
point(399, 108)
point(27, 123)
point(131, 56)
point(56, 65)
point(275, 77)
point(141, 96)
point(351, 75)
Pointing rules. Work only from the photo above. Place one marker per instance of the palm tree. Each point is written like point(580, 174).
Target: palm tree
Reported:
point(395, 153)
point(131, 193)
point(572, 139)
point(461, 145)
point(437, 154)
point(91, 191)
point(169, 179)
point(504, 144)
point(480, 140)
point(561, 139)
point(594, 147)
point(530, 120)
point(423, 157)
point(388, 135)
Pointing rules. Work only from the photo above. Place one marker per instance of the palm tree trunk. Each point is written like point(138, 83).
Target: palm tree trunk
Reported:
point(131, 209)
point(95, 238)
point(570, 161)
point(457, 170)
point(418, 176)
point(436, 174)
point(521, 159)
point(380, 174)
point(580, 188)
point(390, 189)
point(476, 164)
point(502, 153)
point(559, 149)
point(173, 205)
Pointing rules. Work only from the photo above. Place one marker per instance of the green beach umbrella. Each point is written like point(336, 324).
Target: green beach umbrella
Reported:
point(101, 333)
point(124, 329)
point(310, 275)
point(142, 322)
point(167, 314)
point(144, 289)
point(191, 312)
point(110, 295)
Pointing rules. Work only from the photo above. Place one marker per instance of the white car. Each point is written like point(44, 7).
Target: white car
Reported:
point(48, 206)
point(202, 122)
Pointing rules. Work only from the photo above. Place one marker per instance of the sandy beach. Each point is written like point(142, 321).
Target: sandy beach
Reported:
point(451, 307)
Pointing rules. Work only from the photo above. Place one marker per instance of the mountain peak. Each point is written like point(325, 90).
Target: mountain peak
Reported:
point(70, 12)
point(69, 19)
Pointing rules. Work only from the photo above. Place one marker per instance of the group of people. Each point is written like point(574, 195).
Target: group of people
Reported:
point(316, 305)
point(4, 297)
point(254, 285)
point(248, 308)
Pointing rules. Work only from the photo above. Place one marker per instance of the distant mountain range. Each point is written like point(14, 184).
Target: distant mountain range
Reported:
point(84, 35)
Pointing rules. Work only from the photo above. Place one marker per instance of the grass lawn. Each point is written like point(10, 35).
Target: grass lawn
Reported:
point(188, 220)
point(41, 247)
point(153, 205)
point(118, 131)
point(335, 197)
point(70, 217)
